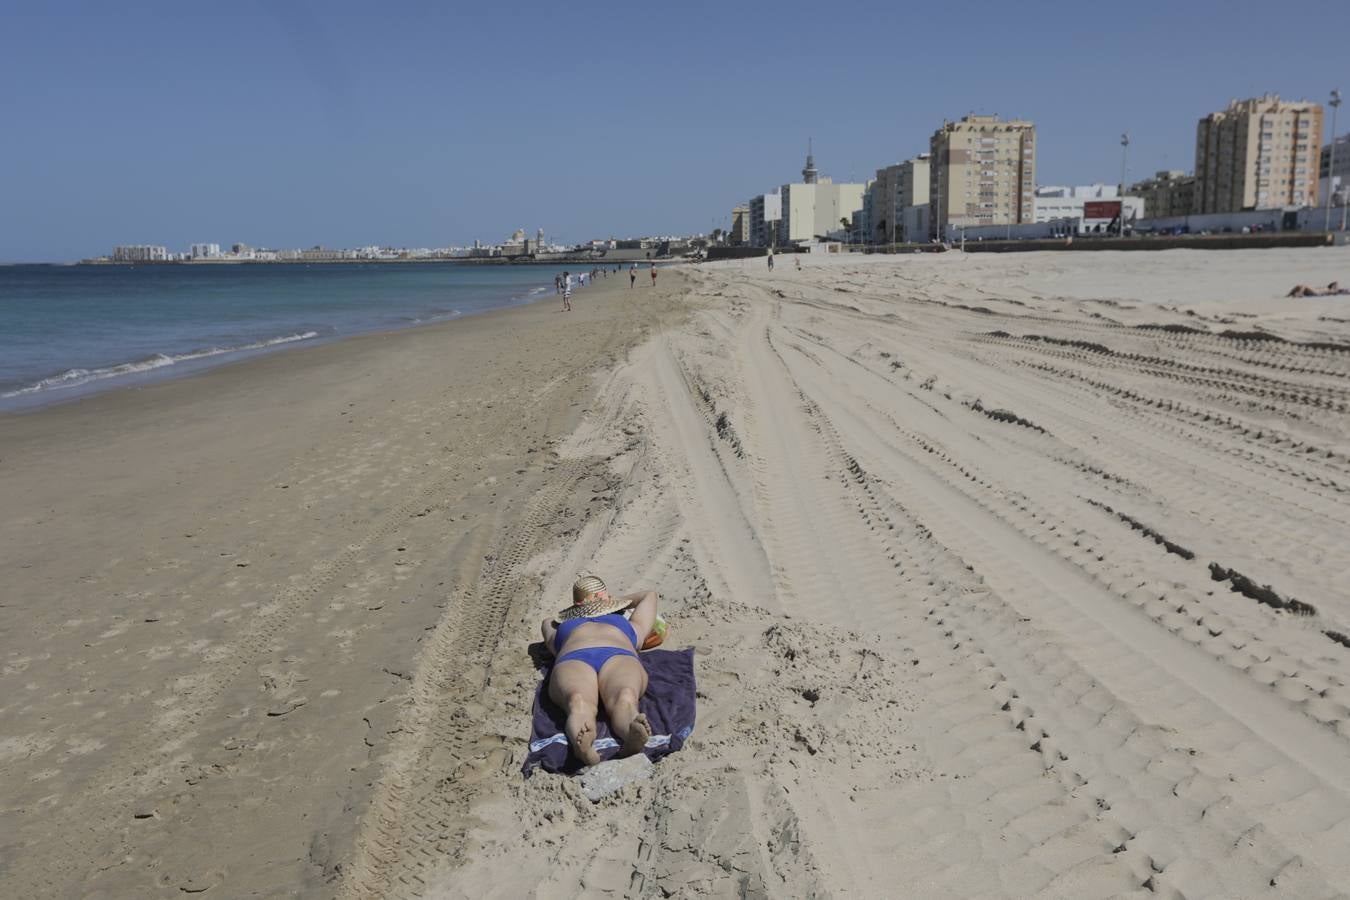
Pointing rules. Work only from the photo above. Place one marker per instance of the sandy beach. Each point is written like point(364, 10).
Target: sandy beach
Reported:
point(1008, 575)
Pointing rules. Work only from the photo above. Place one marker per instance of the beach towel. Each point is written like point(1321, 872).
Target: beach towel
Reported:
point(668, 705)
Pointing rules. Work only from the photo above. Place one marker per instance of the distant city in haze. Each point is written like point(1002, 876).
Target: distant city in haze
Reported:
point(339, 129)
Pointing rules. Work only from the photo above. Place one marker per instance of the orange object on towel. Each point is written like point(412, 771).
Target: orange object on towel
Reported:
point(657, 635)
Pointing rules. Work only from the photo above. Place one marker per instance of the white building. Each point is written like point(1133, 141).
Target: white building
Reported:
point(204, 251)
point(814, 206)
point(1094, 204)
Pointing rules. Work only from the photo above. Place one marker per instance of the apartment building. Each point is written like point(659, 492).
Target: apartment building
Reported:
point(140, 253)
point(983, 173)
point(1261, 153)
point(765, 211)
point(1168, 193)
point(912, 186)
point(739, 233)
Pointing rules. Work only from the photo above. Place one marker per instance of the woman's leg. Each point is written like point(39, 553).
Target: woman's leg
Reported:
point(574, 687)
point(622, 682)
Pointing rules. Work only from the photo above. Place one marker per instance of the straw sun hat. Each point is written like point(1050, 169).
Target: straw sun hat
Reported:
point(586, 605)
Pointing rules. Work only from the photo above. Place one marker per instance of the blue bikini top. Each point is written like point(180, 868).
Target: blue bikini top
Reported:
point(565, 628)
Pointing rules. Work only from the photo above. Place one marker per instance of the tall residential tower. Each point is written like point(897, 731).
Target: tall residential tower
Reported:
point(1261, 153)
point(983, 173)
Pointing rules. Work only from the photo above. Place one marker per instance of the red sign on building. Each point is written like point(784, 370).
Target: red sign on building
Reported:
point(1101, 209)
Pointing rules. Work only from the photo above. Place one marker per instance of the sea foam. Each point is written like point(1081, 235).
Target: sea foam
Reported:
point(75, 377)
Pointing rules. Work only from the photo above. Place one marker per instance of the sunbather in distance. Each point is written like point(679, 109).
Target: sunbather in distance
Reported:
point(597, 665)
point(1332, 290)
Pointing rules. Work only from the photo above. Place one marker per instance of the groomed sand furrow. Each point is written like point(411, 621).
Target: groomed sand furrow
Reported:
point(1322, 705)
point(419, 805)
point(998, 565)
point(1171, 456)
point(1316, 688)
point(961, 598)
point(1250, 437)
point(1151, 369)
point(1328, 465)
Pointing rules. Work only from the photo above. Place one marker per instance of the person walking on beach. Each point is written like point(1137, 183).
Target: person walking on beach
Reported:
point(567, 291)
point(653, 274)
point(632, 275)
point(596, 649)
point(770, 259)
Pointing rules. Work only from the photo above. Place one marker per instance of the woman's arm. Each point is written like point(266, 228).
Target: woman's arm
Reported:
point(644, 613)
point(549, 629)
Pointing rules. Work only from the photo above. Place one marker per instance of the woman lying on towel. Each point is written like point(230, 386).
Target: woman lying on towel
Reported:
point(596, 648)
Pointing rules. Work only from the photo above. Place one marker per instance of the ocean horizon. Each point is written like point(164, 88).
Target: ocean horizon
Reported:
point(67, 331)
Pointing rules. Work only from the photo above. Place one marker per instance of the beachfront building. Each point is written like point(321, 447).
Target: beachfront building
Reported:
point(140, 253)
point(815, 206)
point(881, 202)
point(912, 186)
point(983, 173)
point(1260, 153)
point(1337, 182)
point(204, 251)
point(1168, 193)
point(1095, 204)
point(896, 189)
point(811, 210)
point(765, 211)
point(739, 233)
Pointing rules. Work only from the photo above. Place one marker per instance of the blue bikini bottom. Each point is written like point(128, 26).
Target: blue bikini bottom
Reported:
point(596, 657)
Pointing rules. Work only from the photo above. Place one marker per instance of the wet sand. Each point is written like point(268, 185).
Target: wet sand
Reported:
point(1008, 576)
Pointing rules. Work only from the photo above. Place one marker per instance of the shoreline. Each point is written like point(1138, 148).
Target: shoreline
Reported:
point(134, 374)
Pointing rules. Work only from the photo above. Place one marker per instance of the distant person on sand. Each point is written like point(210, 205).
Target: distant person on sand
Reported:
point(597, 665)
point(653, 274)
point(567, 292)
point(1332, 290)
point(770, 259)
point(798, 261)
point(632, 275)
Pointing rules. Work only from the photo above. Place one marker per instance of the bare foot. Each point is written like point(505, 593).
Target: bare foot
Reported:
point(638, 732)
point(582, 744)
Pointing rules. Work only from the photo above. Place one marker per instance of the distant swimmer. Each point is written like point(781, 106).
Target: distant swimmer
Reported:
point(653, 274)
point(632, 275)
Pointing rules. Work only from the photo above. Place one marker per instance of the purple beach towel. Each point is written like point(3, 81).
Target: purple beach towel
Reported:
point(668, 705)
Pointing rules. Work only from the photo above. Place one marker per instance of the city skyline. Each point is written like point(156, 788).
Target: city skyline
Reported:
point(428, 129)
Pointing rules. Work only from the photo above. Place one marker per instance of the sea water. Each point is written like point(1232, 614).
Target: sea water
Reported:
point(68, 330)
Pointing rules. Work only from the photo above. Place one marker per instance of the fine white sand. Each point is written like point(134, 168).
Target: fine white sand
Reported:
point(1009, 575)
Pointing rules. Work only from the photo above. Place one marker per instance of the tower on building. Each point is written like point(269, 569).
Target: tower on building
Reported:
point(809, 173)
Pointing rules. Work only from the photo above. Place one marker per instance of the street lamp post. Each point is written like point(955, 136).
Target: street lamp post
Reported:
point(1331, 162)
point(1124, 149)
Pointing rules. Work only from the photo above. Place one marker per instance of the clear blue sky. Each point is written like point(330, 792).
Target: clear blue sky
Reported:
point(291, 123)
